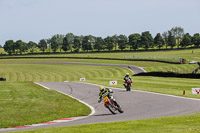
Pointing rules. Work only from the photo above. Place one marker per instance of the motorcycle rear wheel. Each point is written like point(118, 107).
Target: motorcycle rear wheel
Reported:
point(120, 110)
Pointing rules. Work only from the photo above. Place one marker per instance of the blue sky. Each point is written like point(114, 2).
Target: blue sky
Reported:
point(32, 20)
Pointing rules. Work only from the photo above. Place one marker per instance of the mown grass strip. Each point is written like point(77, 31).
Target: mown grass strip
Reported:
point(56, 72)
point(23, 103)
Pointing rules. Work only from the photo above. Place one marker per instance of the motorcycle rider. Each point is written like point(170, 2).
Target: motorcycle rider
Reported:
point(127, 77)
point(106, 92)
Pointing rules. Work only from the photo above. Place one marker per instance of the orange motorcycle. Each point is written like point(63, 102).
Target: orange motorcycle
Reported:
point(110, 104)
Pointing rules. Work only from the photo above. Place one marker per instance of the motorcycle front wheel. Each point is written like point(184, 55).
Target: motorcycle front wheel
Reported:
point(128, 88)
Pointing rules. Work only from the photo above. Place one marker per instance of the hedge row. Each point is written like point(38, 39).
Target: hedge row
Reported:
point(170, 62)
point(169, 74)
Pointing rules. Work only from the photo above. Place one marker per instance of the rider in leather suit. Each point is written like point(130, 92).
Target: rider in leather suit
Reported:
point(125, 79)
point(106, 92)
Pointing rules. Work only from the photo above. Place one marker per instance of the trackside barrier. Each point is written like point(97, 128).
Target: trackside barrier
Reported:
point(113, 82)
point(2, 79)
point(82, 79)
point(195, 90)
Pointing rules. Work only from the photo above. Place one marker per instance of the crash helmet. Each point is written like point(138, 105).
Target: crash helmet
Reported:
point(101, 88)
point(127, 74)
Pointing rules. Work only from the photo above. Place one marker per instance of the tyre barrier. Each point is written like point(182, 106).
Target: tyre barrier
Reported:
point(169, 74)
point(2, 79)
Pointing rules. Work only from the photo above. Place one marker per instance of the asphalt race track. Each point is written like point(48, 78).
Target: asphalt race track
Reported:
point(136, 104)
point(135, 70)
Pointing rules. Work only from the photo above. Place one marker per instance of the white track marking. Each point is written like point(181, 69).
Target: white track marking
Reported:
point(92, 109)
point(42, 85)
point(142, 69)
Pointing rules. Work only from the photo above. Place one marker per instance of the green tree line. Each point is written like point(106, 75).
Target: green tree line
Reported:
point(72, 43)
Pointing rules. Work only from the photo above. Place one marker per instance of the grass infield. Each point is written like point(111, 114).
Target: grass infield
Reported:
point(23, 103)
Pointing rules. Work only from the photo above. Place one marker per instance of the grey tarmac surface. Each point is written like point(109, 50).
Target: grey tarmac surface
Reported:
point(135, 70)
point(136, 104)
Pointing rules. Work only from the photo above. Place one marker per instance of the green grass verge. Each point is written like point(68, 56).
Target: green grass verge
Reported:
point(62, 60)
point(25, 103)
point(147, 65)
point(58, 72)
point(175, 124)
point(172, 55)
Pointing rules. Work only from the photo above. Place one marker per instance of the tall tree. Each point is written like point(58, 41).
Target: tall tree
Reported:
point(99, 44)
point(171, 40)
point(9, 46)
point(86, 45)
point(165, 38)
point(108, 43)
point(59, 40)
point(54, 43)
point(196, 39)
point(42, 45)
point(48, 41)
point(31, 45)
point(158, 41)
point(178, 33)
point(1, 46)
point(187, 40)
point(115, 41)
point(65, 44)
point(146, 40)
point(77, 43)
point(21, 46)
point(122, 42)
point(70, 38)
point(134, 41)
point(92, 40)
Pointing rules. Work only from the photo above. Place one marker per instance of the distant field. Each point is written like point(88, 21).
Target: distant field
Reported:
point(23, 103)
point(189, 55)
point(58, 72)
point(147, 65)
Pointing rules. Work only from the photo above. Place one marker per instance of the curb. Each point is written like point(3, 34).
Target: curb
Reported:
point(63, 120)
